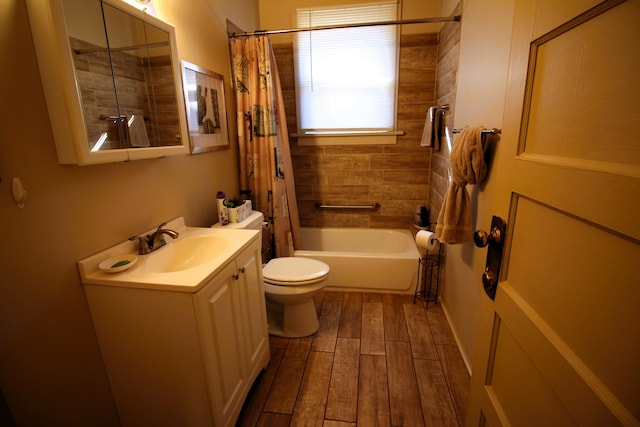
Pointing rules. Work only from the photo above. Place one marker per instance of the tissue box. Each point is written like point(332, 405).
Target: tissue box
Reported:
point(240, 213)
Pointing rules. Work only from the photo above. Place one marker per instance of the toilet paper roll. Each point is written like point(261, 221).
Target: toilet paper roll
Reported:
point(426, 239)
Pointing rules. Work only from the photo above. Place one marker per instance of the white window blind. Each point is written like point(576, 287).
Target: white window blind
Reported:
point(346, 78)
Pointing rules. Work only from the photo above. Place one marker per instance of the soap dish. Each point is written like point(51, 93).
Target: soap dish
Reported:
point(118, 263)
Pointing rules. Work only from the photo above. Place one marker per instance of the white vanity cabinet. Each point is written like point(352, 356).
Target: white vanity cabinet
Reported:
point(180, 358)
point(231, 316)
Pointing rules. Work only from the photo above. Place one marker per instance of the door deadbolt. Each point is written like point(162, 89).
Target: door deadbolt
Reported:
point(494, 239)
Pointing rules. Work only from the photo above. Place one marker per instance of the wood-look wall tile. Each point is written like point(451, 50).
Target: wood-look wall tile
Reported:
point(348, 192)
point(397, 208)
point(413, 110)
point(418, 57)
point(350, 177)
point(419, 39)
point(400, 161)
point(353, 149)
point(420, 92)
point(401, 222)
point(408, 176)
point(400, 192)
point(412, 127)
point(413, 75)
point(408, 145)
point(342, 161)
point(342, 220)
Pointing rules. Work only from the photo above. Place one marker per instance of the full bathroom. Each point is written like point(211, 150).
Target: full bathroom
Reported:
point(61, 205)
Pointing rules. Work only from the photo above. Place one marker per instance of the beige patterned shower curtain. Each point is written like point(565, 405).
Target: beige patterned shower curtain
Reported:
point(265, 158)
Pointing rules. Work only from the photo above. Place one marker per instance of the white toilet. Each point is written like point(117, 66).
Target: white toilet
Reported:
point(289, 284)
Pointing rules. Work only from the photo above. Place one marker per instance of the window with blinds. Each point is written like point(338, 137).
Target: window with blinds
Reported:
point(346, 78)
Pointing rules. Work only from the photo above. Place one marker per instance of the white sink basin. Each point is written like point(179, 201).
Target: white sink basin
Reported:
point(183, 264)
point(185, 253)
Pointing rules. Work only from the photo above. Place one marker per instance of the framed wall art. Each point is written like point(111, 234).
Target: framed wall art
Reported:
point(206, 112)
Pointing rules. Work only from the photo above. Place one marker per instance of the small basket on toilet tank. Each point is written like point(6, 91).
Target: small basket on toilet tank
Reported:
point(240, 213)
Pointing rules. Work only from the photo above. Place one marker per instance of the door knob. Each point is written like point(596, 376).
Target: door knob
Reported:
point(481, 238)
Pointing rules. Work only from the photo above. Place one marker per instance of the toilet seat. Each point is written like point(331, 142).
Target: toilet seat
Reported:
point(292, 271)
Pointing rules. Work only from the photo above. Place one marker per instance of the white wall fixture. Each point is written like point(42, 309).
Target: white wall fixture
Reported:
point(19, 193)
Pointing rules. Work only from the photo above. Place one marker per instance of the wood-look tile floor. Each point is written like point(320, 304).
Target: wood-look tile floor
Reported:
point(377, 360)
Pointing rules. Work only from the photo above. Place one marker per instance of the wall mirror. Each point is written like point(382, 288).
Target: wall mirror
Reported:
point(111, 77)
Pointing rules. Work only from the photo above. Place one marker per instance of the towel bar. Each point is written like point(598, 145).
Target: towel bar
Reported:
point(493, 131)
point(371, 207)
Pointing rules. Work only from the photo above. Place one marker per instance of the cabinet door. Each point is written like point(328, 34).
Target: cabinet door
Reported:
point(217, 311)
point(253, 308)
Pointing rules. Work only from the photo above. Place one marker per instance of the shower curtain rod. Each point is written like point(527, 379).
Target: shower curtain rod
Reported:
point(332, 27)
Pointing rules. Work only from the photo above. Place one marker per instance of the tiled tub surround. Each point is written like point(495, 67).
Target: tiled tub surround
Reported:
point(446, 78)
point(396, 176)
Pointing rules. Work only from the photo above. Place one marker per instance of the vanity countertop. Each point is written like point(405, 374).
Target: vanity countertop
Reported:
point(144, 274)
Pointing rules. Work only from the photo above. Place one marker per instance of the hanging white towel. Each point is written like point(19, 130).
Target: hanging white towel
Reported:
point(433, 127)
point(137, 132)
point(427, 132)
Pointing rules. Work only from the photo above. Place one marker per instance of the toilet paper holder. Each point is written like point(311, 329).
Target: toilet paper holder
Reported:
point(428, 275)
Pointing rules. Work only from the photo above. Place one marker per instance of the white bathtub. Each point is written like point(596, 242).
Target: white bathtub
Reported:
point(364, 259)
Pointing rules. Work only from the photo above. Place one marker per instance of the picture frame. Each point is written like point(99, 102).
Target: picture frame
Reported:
point(206, 109)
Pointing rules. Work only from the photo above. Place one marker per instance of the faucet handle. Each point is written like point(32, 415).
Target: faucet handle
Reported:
point(160, 226)
point(143, 246)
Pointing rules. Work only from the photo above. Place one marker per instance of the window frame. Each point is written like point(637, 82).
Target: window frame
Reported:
point(351, 136)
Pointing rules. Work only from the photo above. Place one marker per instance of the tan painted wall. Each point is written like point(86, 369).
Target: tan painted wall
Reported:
point(51, 371)
point(482, 75)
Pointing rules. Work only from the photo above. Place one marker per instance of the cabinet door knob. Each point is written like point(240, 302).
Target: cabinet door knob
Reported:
point(242, 270)
point(236, 276)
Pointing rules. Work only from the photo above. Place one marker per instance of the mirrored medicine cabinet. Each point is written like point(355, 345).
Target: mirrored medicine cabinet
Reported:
point(111, 77)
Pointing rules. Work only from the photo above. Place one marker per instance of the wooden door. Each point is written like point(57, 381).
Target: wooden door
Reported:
point(559, 345)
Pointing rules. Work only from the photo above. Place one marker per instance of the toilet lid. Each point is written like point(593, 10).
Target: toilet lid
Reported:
point(294, 271)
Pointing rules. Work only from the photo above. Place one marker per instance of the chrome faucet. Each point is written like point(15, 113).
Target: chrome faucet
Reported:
point(155, 240)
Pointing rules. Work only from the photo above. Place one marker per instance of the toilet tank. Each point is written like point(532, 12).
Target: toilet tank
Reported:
point(252, 222)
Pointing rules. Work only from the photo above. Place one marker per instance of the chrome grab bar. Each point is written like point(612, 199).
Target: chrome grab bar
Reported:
point(494, 131)
point(373, 206)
